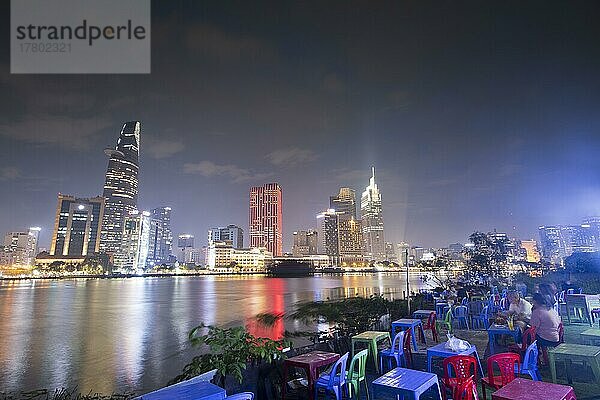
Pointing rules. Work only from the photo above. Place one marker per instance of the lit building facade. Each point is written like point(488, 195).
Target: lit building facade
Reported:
point(135, 242)
point(224, 255)
point(20, 248)
point(344, 202)
point(305, 243)
point(232, 233)
point(77, 226)
point(558, 242)
point(531, 248)
point(161, 237)
point(372, 221)
point(265, 218)
point(120, 186)
point(185, 240)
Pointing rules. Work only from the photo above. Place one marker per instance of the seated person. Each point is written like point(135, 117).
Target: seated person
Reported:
point(546, 321)
point(519, 309)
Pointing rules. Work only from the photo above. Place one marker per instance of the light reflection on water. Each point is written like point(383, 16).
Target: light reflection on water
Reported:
point(118, 335)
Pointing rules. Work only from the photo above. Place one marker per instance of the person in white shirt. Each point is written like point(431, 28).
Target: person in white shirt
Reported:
point(519, 309)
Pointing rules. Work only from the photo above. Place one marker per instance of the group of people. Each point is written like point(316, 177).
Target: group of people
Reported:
point(541, 315)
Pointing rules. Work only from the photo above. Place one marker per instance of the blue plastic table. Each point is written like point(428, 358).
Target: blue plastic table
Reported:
point(440, 350)
point(192, 391)
point(498, 330)
point(407, 382)
point(422, 314)
point(439, 308)
point(404, 324)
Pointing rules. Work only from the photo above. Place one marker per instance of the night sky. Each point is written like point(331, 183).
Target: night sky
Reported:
point(476, 115)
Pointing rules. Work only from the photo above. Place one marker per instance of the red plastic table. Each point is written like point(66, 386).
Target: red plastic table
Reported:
point(524, 389)
point(310, 362)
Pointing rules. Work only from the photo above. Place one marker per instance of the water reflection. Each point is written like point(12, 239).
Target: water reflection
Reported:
point(131, 334)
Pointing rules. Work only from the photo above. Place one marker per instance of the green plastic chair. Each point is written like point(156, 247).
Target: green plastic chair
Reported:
point(447, 322)
point(357, 373)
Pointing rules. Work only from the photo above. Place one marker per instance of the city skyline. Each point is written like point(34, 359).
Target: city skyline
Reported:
point(493, 137)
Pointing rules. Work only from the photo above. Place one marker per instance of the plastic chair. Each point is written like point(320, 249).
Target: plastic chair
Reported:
point(357, 372)
point(431, 325)
point(456, 370)
point(504, 304)
point(447, 322)
point(334, 380)
point(393, 353)
point(464, 301)
point(241, 396)
point(530, 362)
point(506, 363)
point(466, 390)
point(528, 338)
point(461, 315)
point(482, 320)
point(406, 347)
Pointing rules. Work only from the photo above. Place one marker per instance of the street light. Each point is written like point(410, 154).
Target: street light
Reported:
point(407, 284)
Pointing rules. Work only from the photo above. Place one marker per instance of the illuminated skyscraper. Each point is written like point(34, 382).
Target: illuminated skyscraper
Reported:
point(135, 242)
point(344, 202)
point(372, 221)
point(121, 185)
point(20, 248)
point(77, 226)
point(305, 243)
point(230, 233)
point(161, 236)
point(266, 218)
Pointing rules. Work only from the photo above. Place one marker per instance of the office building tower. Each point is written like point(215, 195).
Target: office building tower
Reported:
point(531, 249)
point(305, 243)
point(372, 221)
point(161, 236)
point(391, 254)
point(265, 218)
point(231, 233)
point(344, 202)
point(20, 248)
point(594, 224)
point(403, 251)
point(551, 243)
point(350, 239)
point(185, 240)
point(328, 221)
point(135, 242)
point(77, 226)
point(120, 186)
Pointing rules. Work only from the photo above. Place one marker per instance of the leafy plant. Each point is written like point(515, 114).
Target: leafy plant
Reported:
point(229, 351)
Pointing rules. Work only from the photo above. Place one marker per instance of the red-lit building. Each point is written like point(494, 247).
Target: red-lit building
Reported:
point(265, 218)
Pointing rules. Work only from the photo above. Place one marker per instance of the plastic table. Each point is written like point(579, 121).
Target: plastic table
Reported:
point(440, 350)
point(591, 336)
point(310, 362)
point(498, 330)
point(192, 391)
point(569, 352)
point(370, 338)
point(439, 308)
point(407, 382)
point(423, 314)
point(525, 389)
point(405, 323)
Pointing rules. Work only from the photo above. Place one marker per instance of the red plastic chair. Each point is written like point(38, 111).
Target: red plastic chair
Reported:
point(466, 390)
point(528, 338)
point(457, 369)
point(430, 325)
point(406, 347)
point(506, 363)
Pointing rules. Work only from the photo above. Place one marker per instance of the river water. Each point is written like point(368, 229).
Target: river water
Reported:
point(118, 335)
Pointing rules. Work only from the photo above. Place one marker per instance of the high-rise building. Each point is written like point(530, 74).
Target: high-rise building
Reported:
point(372, 221)
point(558, 241)
point(344, 202)
point(305, 243)
point(391, 254)
point(135, 242)
point(185, 240)
point(231, 233)
point(20, 248)
point(329, 237)
point(594, 223)
point(403, 250)
point(77, 226)
point(350, 239)
point(265, 222)
point(161, 236)
point(120, 186)
point(531, 248)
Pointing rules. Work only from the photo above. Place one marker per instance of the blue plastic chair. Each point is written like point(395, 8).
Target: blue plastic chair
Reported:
point(482, 320)
point(461, 316)
point(530, 362)
point(241, 396)
point(396, 352)
point(464, 301)
point(335, 380)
